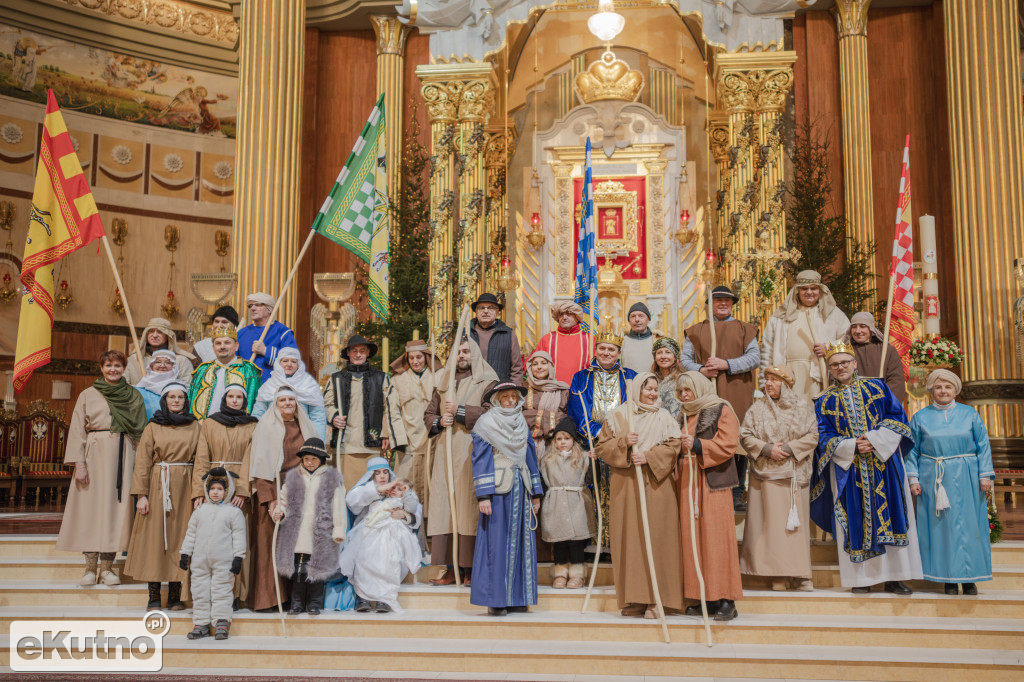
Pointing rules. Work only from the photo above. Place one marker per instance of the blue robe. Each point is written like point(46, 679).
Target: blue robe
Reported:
point(583, 386)
point(869, 500)
point(279, 336)
point(505, 557)
point(150, 400)
point(955, 545)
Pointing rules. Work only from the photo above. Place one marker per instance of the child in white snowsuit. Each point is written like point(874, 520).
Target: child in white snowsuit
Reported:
point(215, 544)
point(382, 546)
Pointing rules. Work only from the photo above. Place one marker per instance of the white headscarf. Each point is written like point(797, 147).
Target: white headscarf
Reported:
point(306, 388)
point(267, 454)
point(653, 422)
point(156, 381)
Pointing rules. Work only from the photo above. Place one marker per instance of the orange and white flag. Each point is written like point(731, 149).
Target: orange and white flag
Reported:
point(901, 272)
point(63, 219)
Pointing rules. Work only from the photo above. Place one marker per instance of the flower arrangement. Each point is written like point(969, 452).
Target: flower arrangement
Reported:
point(936, 351)
point(995, 525)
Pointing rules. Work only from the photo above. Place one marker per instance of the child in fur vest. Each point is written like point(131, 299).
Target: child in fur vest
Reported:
point(382, 546)
point(567, 515)
point(312, 504)
point(214, 547)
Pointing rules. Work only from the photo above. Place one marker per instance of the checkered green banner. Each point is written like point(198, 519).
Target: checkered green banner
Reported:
point(355, 213)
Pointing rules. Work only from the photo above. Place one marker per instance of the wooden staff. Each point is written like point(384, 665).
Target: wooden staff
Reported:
point(814, 341)
point(450, 395)
point(430, 441)
point(885, 334)
point(273, 553)
point(127, 310)
point(641, 490)
point(597, 500)
point(284, 291)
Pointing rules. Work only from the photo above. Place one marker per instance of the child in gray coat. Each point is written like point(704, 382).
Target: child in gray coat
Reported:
point(214, 546)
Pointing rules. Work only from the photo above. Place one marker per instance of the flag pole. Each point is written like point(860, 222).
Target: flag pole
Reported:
point(127, 309)
point(284, 290)
point(888, 321)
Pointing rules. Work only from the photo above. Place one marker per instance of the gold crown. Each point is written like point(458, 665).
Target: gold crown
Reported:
point(609, 78)
point(836, 347)
point(608, 336)
point(223, 333)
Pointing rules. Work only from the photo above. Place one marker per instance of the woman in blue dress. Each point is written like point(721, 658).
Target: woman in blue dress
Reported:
point(950, 471)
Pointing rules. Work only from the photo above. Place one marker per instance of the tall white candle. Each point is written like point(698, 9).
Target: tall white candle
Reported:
point(930, 272)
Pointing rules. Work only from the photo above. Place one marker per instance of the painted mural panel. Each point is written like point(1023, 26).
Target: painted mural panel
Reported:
point(116, 85)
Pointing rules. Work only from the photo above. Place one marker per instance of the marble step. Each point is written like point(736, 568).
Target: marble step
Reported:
point(69, 568)
point(566, 626)
point(830, 601)
point(543, 658)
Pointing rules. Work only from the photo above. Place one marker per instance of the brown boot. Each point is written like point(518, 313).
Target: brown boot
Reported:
point(559, 576)
point(107, 575)
point(89, 577)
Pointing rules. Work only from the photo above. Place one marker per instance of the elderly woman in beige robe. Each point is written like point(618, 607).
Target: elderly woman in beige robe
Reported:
point(779, 434)
point(158, 335)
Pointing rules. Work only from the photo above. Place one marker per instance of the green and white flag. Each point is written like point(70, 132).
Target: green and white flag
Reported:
point(355, 213)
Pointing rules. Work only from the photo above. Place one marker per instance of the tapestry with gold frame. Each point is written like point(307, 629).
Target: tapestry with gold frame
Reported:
point(619, 221)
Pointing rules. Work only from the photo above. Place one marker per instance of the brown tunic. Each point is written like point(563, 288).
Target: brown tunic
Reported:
point(715, 523)
point(869, 357)
point(228, 447)
point(148, 560)
point(732, 338)
point(94, 521)
point(261, 582)
point(629, 555)
point(545, 420)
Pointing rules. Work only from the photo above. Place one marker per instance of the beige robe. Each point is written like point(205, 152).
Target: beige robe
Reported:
point(94, 521)
point(175, 446)
point(227, 447)
point(354, 453)
point(567, 512)
point(791, 343)
point(715, 524)
point(629, 555)
point(412, 392)
point(768, 548)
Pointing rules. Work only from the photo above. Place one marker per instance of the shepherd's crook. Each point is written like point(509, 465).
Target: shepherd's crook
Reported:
point(273, 553)
point(597, 501)
point(450, 394)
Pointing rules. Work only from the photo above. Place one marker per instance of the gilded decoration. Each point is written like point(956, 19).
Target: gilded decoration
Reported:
point(656, 223)
point(615, 209)
point(475, 101)
point(851, 17)
point(609, 78)
point(442, 101)
point(563, 235)
point(169, 15)
point(756, 90)
point(391, 34)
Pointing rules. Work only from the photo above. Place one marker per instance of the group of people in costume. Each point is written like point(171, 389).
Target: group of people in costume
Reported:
point(254, 483)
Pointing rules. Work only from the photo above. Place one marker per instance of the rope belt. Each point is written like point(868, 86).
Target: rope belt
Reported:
point(165, 484)
point(941, 498)
point(568, 488)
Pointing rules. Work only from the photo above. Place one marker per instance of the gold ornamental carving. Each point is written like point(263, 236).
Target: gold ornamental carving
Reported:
point(442, 101)
point(719, 134)
point(609, 78)
point(391, 34)
point(169, 15)
point(617, 205)
point(756, 90)
point(475, 101)
point(851, 17)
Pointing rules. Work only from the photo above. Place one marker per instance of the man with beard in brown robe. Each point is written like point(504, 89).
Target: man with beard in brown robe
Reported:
point(867, 349)
point(412, 387)
point(649, 437)
point(473, 378)
point(731, 368)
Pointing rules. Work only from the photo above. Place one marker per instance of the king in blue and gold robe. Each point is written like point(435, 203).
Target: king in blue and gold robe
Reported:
point(595, 392)
point(864, 498)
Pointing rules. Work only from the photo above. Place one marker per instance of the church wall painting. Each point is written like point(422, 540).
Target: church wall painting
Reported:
point(115, 85)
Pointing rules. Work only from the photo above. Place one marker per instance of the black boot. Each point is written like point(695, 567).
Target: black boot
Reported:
point(174, 602)
point(299, 585)
point(314, 597)
point(897, 587)
point(970, 588)
point(952, 589)
point(726, 610)
point(154, 596)
point(695, 610)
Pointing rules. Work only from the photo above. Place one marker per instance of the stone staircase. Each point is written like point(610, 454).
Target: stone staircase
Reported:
point(826, 634)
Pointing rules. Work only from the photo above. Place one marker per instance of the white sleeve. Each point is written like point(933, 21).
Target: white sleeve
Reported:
point(844, 453)
point(361, 497)
point(884, 442)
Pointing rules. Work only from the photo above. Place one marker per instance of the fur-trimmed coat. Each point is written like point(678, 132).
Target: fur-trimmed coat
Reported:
point(315, 519)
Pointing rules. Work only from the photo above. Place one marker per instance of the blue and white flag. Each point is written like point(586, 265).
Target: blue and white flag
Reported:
point(585, 294)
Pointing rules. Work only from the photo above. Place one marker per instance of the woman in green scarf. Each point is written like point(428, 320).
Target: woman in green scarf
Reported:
point(105, 427)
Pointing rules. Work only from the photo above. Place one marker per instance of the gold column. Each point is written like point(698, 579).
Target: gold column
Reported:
point(499, 148)
point(391, 35)
point(852, 20)
point(459, 99)
point(266, 209)
point(987, 162)
point(753, 87)
point(718, 131)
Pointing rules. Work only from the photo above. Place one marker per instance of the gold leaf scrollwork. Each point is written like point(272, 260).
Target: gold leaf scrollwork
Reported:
point(442, 100)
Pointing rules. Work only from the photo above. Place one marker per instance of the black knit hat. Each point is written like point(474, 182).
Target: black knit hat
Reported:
point(487, 297)
point(315, 447)
point(641, 307)
point(228, 313)
point(568, 426)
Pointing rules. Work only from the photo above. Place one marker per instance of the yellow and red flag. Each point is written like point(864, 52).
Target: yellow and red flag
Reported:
point(901, 272)
point(63, 219)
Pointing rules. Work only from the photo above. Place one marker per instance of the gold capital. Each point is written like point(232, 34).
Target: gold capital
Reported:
point(391, 34)
point(851, 17)
point(475, 101)
point(442, 101)
point(718, 130)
